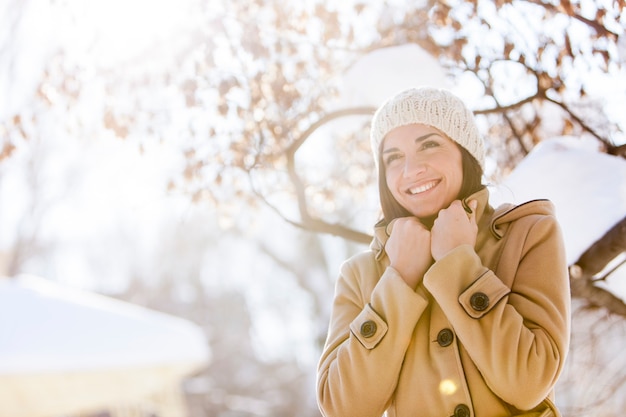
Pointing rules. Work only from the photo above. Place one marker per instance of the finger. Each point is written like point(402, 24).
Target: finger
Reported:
point(455, 207)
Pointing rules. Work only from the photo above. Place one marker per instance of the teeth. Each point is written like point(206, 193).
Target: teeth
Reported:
point(422, 188)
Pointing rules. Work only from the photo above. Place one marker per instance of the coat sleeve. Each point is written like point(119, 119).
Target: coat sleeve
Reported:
point(367, 339)
point(518, 337)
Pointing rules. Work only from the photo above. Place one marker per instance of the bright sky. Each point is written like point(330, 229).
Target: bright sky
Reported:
point(120, 30)
point(104, 33)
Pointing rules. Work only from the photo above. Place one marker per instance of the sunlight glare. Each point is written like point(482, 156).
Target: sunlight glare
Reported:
point(122, 29)
point(447, 387)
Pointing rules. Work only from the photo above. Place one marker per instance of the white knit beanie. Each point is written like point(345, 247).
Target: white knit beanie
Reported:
point(433, 107)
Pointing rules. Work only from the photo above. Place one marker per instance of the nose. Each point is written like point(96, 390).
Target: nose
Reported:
point(413, 166)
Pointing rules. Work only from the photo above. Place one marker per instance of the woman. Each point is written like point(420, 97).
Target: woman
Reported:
point(457, 309)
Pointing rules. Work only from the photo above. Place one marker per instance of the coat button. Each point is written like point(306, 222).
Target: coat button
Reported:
point(445, 337)
point(368, 328)
point(461, 410)
point(479, 301)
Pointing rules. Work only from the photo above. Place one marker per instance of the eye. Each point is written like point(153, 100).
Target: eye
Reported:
point(392, 157)
point(429, 144)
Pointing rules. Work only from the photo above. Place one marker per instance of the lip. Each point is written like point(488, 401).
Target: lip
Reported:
point(422, 187)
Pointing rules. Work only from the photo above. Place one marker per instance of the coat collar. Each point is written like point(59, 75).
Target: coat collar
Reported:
point(489, 219)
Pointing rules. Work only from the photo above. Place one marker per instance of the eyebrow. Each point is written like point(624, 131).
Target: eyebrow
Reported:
point(417, 140)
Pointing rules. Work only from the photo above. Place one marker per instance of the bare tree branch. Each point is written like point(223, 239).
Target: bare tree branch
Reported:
point(607, 143)
point(599, 29)
point(329, 117)
point(597, 297)
point(614, 268)
point(315, 225)
point(594, 260)
point(308, 221)
point(512, 106)
point(619, 151)
point(541, 95)
point(604, 249)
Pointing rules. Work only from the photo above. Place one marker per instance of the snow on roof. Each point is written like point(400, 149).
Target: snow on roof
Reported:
point(587, 187)
point(47, 327)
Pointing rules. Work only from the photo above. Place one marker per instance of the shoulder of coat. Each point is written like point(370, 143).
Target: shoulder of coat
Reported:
point(508, 213)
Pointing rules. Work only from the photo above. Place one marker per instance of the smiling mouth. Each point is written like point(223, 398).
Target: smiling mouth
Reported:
point(422, 188)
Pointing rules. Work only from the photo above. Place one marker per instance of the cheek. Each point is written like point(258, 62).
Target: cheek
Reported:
point(391, 179)
point(458, 174)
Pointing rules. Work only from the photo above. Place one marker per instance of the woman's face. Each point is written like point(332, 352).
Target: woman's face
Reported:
point(423, 168)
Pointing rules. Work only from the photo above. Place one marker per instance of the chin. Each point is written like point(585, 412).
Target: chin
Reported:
point(424, 214)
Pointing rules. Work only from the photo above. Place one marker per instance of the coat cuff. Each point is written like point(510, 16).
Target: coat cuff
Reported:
point(460, 278)
point(368, 327)
point(480, 297)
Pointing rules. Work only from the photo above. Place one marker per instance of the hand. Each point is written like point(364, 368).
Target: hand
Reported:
point(408, 248)
point(452, 228)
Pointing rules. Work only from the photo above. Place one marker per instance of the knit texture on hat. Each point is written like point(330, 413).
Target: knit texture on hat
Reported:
point(433, 107)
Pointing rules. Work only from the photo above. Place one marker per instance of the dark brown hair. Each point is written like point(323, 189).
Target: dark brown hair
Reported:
point(472, 182)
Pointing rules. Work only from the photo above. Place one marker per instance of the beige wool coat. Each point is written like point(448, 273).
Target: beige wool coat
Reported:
point(486, 333)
